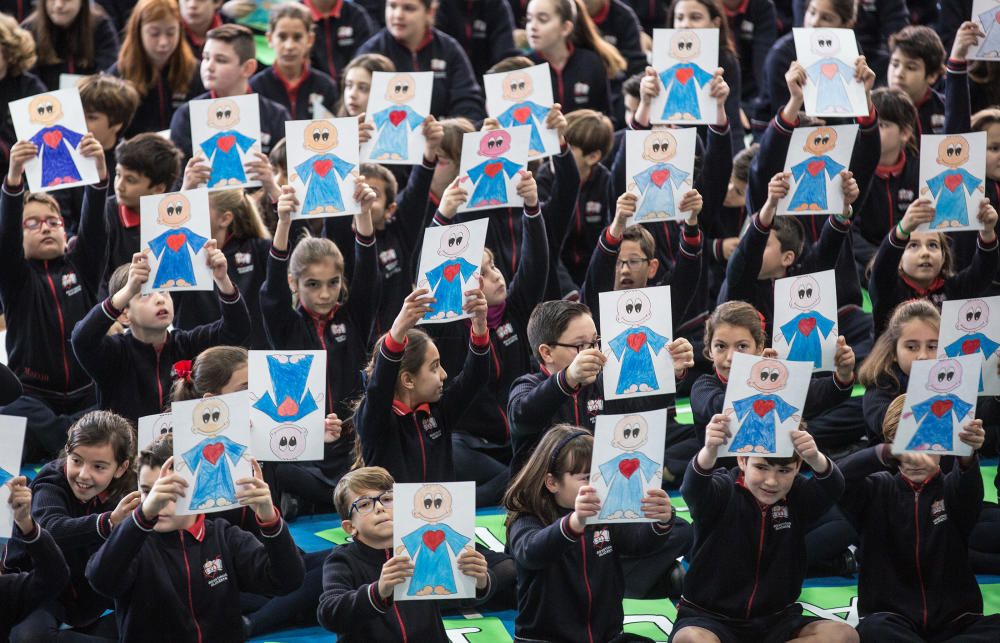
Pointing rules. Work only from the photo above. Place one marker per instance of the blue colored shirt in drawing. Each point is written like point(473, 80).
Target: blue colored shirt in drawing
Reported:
point(322, 187)
point(491, 186)
point(657, 184)
point(811, 176)
point(223, 154)
point(681, 83)
point(803, 333)
point(972, 343)
point(635, 348)
point(526, 113)
point(172, 257)
point(757, 421)
point(991, 27)
point(950, 205)
point(445, 283)
point(428, 547)
point(394, 125)
point(934, 425)
point(5, 476)
point(291, 401)
point(829, 76)
point(212, 477)
point(54, 146)
point(625, 490)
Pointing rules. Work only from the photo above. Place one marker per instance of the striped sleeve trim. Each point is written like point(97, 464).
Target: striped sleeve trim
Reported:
point(567, 531)
point(141, 521)
point(110, 311)
point(280, 255)
point(366, 241)
point(784, 126)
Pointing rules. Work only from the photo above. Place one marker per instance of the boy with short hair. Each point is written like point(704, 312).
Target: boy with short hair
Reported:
point(132, 371)
point(212, 560)
point(751, 521)
point(359, 577)
point(915, 65)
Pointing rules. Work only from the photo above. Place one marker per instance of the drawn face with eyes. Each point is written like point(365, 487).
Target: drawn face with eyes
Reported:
point(432, 503)
point(173, 211)
point(953, 151)
point(288, 441)
point(685, 45)
point(804, 294)
point(973, 315)
point(210, 416)
point(631, 433)
point(517, 86)
point(768, 376)
point(223, 114)
point(634, 308)
point(454, 242)
point(163, 426)
point(401, 89)
point(825, 44)
point(320, 136)
point(659, 147)
point(45, 109)
point(820, 141)
point(945, 376)
point(494, 144)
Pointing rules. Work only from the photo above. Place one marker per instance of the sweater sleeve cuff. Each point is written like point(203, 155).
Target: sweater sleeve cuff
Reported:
point(380, 604)
point(721, 130)
point(757, 223)
point(633, 125)
point(18, 191)
point(829, 469)
point(393, 346)
point(439, 219)
point(141, 521)
point(567, 530)
point(273, 527)
point(33, 535)
point(986, 245)
point(364, 240)
point(611, 240)
point(697, 467)
point(232, 297)
point(870, 119)
point(563, 384)
point(428, 164)
point(532, 211)
point(280, 255)
point(895, 239)
point(479, 341)
point(109, 310)
point(842, 385)
point(104, 525)
point(957, 66)
point(783, 125)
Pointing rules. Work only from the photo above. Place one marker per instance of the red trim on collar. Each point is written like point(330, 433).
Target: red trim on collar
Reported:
point(935, 286)
point(333, 13)
point(428, 38)
point(602, 15)
point(923, 99)
point(129, 217)
point(289, 86)
point(197, 530)
point(569, 47)
point(544, 370)
point(919, 486)
point(401, 409)
point(199, 41)
point(248, 90)
point(435, 199)
point(885, 171)
point(732, 13)
point(321, 318)
point(724, 380)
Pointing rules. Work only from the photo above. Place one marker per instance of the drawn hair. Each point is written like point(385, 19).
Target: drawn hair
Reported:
point(739, 314)
point(210, 372)
point(17, 46)
point(156, 453)
point(100, 428)
point(590, 131)
point(549, 320)
point(876, 370)
point(78, 42)
point(354, 482)
point(246, 223)
point(133, 61)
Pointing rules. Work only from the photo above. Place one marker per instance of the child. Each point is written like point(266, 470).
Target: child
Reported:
point(156, 595)
point(46, 289)
point(357, 81)
point(306, 92)
point(156, 58)
point(341, 27)
point(22, 593)
point(911, 333)
point(79, 499)
point(484, 29)
point(915, 64)
point(359, 577)
point(913, 516)
point(764, 567)
point(70, 38)
point(132, 370)
point(199, 17)
point(17, 48)
point(410, 40)
point(753, 26)
point(240, 233)
point(563, 565)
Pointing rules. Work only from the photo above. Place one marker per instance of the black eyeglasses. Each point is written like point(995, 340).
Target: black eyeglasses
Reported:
point(366, 504)
point(595, 343)
point(34, 223)
point(633, 264)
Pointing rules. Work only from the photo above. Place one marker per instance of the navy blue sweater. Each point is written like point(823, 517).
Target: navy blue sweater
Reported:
point(339, 33)
point(157, 107)
point(484, 29)
point(105, 51)
point(877, 399)
point(581, 83)
point(298, 97)
point(21, 593)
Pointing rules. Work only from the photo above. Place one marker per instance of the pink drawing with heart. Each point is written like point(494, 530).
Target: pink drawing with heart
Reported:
point(492, 169)
point(829, 70)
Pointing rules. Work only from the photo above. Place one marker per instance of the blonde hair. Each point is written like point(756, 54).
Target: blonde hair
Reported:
point(17, 46)
point(246, 222)
point(892, 416)
point(876, 370)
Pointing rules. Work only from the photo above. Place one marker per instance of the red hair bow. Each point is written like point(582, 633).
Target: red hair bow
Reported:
point(182, 370)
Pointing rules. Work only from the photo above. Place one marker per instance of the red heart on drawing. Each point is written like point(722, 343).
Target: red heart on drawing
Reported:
point(660, 177)
point(628, 467)
point(763, 407)
point(952, 181)
point(815, 167)
point(322, 167)
point(636, 341)
point(176, 241)
point(53, 138)
point(521, 114)
point(683, 75)
point(807, 325)
point(940, 407)
point(493, 169)
point(288, 408)
point(226, 143)
point(450, 271)
point(433, 538)
point(212, 452)
point(829, 70)
point(396, 116)
point(970, 346)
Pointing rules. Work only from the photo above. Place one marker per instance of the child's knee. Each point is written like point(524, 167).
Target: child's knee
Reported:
point(693, 634)
point(831, 632)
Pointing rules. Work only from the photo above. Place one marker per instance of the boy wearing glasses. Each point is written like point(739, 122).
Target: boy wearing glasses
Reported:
point(46, 288)
point(359, 577)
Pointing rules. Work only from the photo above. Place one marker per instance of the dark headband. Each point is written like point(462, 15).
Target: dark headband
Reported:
point(559, 447)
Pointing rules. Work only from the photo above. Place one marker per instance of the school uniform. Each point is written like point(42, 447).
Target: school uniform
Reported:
point(157, 107)
point(456, 92)
point(753, 25)
point(14, 88)
point(310, 97)
point(619, 26)
point(105, 51)
point(582, 81)
point(70, 200)
point(762, 549)
point(893, 188)
point(123, 238)
point(877, 399)
point(196, 42)
point(651, 14)
point(118, 10)
point(392, 434)
point(185, 585)
point(916, 583)
point(339, 33)
point(133, 378)
point(577, 575)
point(23, 592)
point(247, 259)
point(483, 29)
point(930, 112)
point(352, 607)
point(17, 9)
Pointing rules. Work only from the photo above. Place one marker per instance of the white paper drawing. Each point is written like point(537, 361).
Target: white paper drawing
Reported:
point(816, 156)
point(225, 132)
point(636, 327)
point(449, 265)
point(685, 61)
point(764, 401)
point(174, 230)
point(627, 463)
point(397, 105)
point(323, 166)
point(828, 56)
point(940, 400)
point(211, 450)
point(986, 13)
point(287, 404)
point(953, 176)
point(805, 319)
point(660, 169)
point(524, 97)
point(972, 327)
point(11, 445)
point(489, 167)
point(432, 524)
point(154, 427)
point(55, 123)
